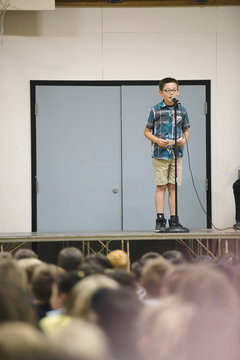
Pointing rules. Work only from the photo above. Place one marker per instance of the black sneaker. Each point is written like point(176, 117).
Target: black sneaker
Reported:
point(173, 222)
point(160, 225)
point(237, 225)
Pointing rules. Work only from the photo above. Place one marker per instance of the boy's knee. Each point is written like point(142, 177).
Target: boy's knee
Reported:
point(161, 187)
point(171, 187)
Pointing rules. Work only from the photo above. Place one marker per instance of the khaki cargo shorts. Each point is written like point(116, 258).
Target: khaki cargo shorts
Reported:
point(164, 171)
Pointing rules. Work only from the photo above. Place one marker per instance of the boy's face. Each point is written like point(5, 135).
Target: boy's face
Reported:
point(169, 91)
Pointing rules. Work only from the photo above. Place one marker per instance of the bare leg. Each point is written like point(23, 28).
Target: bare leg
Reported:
point(160, 198)
point(171, 198)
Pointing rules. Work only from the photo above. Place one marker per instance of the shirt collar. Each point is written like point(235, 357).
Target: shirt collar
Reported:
point(162, 104)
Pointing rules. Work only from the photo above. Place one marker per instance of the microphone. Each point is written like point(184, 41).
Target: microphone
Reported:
point(175, 101)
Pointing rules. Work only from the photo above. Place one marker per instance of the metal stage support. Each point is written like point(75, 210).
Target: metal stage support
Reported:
point(196, 243)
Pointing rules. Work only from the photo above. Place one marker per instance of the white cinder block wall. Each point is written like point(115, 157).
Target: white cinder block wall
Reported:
point(117, 44)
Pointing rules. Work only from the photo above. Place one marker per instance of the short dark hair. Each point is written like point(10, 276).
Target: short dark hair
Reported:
point(25, 254)
point(65, 281)
point(70, 258)
point(166, 81)
point(174, 256)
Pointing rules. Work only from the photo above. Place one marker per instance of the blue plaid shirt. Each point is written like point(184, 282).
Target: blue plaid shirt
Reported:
point(161, 120)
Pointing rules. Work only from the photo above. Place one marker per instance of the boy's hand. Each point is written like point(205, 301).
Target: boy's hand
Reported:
point(181, 142)
point(162, 142)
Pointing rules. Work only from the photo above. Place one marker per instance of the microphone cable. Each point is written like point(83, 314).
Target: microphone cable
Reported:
point(196, 192)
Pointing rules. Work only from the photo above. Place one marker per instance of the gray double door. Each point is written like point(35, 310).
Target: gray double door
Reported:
point(93, 164)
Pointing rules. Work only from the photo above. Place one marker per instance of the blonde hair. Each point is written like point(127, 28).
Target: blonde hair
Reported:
point(82, 339)
point(119, 259)
point(19, 340)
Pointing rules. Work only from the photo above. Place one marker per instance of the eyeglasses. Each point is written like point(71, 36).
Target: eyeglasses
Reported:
point(168, 91)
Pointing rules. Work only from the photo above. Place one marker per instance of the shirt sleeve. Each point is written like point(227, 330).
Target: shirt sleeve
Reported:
point(150, 119)
point(186, 124)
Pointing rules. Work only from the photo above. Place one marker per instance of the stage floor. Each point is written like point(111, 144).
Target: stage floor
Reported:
point(202, 234)
point(198, 242)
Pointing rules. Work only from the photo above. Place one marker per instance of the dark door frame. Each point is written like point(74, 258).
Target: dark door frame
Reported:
point(34, 83)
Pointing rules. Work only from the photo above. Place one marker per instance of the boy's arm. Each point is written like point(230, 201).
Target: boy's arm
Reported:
point(183, 141)
point(160, 142)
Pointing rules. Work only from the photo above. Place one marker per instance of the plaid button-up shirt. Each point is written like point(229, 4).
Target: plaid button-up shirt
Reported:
point(161, 120)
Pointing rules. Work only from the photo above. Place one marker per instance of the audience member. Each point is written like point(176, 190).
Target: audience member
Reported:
point(148, 256)
point(12, 272)
point(15, 304)
point(163, 328)
point(60, 290)
point(207, 287)
point(70, 259)
point(124, 278)
point(90, 268)
point(42, 279)
point(81, 295)
point(82, 340)
point(22, 341)
point(207, 259)
point(29, 264)
point(174, 256)
point(153, 278)
point(117, 313)
point(188, 310)
point(25, 254)
point(119, 259)
point(98, 259)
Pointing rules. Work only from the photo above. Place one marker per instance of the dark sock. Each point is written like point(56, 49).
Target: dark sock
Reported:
point(160, 216)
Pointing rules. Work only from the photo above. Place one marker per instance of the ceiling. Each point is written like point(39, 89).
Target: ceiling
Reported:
point(145, 3)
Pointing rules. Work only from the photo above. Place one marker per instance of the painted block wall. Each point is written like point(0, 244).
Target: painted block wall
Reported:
point(117, 44)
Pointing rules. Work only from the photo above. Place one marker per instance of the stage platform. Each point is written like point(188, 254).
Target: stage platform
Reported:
point(197, 242)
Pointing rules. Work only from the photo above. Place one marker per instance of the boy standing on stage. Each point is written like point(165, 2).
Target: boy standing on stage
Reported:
point(160, 129)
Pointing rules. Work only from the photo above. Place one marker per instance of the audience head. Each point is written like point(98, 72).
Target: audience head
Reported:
point(82, 340)
point(117, 313)
point(119, 259)
point(148, 256)
point(70, 259)
point(207, 287)
point(78, 304)
point(23, 341)
point(11, 271)
point(61, 288)
point(42, 279)
point(29, 264)
point(177, 329)
point(124, 278)
point(15, 303)
point(174, 256)
point(25, 254)
point(153, 276)
point(90, 268)
point(136, 269)
point(163, 328)
point(99, 260)
point(206, 259)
